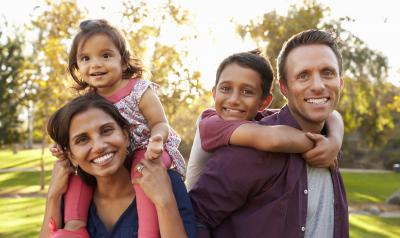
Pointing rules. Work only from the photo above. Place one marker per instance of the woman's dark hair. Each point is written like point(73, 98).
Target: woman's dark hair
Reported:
point(88, 28)
point(59, 124)
point(252, 60)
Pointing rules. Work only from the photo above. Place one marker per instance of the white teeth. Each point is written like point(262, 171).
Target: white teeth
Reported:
point(317, 100)
point(231, 110)
point(103, 158)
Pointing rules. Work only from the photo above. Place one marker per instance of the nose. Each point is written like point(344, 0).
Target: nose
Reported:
point(99, 145)
point(317, 83)
point(95, 62)
point(234, 98)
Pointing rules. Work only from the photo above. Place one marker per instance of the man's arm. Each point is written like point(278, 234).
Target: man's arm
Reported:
point(231, 176)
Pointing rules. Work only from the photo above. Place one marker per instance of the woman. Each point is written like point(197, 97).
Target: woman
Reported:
point(96, 140)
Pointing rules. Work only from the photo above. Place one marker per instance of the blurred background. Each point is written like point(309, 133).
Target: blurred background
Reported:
point(182, 44)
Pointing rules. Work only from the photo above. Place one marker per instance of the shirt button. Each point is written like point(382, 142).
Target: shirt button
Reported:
point(305, 191)
point(303, 228)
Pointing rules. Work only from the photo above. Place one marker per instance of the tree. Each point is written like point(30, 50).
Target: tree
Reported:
point(366, 91)
point(11, 62)
point(166, 62)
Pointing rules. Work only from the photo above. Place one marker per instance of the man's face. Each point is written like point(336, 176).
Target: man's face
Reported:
point(238, 94)
point(313, 84)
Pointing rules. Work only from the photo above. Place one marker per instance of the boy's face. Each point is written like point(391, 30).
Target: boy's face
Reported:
point(238, 94)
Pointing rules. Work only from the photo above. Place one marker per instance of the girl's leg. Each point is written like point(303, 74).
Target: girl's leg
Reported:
point(148, 220)
point(77, 201)
point(81, 233)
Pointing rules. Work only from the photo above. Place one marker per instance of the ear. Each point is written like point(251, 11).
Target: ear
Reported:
point(72, 159)
point(265, 103)
point(283, 88)
point(341, 83)
point(126, 135)
point(214, 92)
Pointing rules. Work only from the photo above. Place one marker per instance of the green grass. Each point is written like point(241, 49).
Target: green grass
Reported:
point(22, 217)
point(370, 187)
point(362, 226)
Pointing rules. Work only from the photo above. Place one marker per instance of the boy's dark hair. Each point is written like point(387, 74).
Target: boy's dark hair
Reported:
point(89, 28)
point(59, 124)
point(308, 37)
point(252, 60)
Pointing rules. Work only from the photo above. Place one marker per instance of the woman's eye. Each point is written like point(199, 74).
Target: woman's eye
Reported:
point(81, 140)
point(107, 130)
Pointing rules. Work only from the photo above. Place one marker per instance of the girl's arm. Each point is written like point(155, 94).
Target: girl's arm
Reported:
point(58, 186)
point(277, 138)
point(153, 112)
point(326, 149)
point(156, 183)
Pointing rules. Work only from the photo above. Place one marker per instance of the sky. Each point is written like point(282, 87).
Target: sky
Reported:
point(375, 22)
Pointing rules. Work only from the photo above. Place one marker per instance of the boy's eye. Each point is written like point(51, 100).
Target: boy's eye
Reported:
point(224, 89)
point(247, 92)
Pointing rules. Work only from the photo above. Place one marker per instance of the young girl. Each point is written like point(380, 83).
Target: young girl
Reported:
point(100, 60)
point(241, 94)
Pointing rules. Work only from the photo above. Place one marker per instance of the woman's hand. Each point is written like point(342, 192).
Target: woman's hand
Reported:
point(59, 178)
point(155, 182)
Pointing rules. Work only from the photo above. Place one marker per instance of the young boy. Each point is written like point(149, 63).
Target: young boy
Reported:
point(241, 93)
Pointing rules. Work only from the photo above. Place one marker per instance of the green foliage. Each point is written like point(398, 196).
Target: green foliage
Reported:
point(166, 61)
point(370, 187)
point(11, 62)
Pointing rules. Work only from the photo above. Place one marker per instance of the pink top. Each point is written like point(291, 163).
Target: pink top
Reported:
point(127, 102)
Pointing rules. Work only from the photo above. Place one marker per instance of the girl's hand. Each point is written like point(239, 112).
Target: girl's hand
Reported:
point(155, 182)
point(57, 151)
point(59, 178)
point(324, 153)
point(155, 147)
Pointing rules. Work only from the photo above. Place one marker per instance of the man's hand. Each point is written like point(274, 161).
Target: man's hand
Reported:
point(155, 147)
point(324, 154)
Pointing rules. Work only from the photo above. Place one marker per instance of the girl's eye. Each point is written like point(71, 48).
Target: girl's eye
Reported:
point(106, 55)
point(84, 58)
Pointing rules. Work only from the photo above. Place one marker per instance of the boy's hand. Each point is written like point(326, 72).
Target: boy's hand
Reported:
point(57, 151)
point(155, 147)
point(324, 153)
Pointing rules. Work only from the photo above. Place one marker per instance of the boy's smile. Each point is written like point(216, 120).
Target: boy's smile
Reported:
point(238, 94)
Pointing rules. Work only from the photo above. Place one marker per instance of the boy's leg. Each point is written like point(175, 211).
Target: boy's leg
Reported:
point(77, 201)
point(148, 220)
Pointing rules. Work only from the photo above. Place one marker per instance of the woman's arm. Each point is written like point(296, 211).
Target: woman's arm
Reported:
point(58, 186)
point(278, 138)
point(153, 112)
point(156, 183)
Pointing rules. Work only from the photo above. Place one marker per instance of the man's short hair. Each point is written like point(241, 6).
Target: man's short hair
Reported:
point(308, 37)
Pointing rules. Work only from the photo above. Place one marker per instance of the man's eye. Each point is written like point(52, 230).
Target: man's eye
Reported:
point(328, 73)
point(303, 76)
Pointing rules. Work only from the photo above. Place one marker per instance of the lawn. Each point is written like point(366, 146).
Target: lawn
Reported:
point(22, 217)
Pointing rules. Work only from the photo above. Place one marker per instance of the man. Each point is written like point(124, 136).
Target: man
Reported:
point(247, 193)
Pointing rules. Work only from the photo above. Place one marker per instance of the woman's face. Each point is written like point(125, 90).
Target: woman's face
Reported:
point(97, 143)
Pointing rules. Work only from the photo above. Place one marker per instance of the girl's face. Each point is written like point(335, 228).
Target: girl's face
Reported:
point(97, 143)
point(100, 64)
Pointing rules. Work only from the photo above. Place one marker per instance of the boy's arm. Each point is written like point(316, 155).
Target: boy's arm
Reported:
point(325, 152)
point(278, 138)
